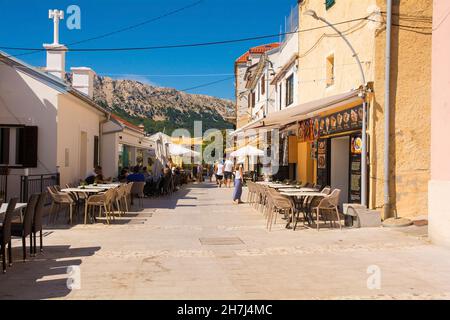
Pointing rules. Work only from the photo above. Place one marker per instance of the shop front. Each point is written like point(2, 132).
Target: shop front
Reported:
point(333, 146)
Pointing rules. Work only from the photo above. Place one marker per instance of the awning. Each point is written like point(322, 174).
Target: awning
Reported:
point(301, 112)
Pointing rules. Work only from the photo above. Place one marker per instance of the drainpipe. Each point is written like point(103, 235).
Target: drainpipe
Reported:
point(387, 119)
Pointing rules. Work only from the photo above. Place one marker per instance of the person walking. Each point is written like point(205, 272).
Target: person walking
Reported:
point(228, 172)
point(238, 181)
point(200, 173)
point(219, 173)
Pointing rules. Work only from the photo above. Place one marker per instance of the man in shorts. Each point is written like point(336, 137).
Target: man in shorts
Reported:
point(228, 172)
point(219, 173)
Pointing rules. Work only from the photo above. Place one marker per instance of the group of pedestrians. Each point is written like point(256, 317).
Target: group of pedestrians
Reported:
point(224, 172)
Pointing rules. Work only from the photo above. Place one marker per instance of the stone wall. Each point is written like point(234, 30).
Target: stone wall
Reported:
point(410, 110)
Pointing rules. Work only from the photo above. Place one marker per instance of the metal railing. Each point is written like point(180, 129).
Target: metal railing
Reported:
point(37, 184)
point(4, 183)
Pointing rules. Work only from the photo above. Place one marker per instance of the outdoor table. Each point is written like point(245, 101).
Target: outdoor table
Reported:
point(299, 190)
point(81, 190)
point(102, 187)
point(19, 207)
point(299, 194)
point(281, 186)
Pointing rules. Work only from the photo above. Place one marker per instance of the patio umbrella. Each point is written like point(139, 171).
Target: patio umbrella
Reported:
point(177, 150)
point(247, 151)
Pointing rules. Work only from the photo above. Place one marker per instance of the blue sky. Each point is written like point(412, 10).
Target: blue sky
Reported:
point(26, 24)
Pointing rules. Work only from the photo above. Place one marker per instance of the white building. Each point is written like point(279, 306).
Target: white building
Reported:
point(50, 128)
point(126, 145)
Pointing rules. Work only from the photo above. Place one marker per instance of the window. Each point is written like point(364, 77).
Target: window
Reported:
point(27, 147)
point(290, 90)
point(96, 150)
point(25, 141)
point(330, 71)
point(329, 4)
point(4, 145)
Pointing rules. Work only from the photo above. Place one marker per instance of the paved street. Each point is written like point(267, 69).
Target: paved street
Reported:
point(198, 245)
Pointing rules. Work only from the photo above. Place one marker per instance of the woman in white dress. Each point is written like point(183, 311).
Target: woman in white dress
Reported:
point(238, 181)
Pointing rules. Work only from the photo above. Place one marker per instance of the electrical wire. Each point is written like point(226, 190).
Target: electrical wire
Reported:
point(124, 29)
point(187, 45)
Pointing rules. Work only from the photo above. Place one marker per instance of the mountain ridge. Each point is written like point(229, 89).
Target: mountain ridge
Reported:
point(160, 108)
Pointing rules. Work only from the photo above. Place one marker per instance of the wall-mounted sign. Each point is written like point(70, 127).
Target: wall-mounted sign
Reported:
point(306, 131)
point(345, 120)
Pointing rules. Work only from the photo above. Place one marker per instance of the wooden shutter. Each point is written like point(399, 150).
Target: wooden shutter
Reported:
point(28, 147)
point(4, 146)
point(96, 150)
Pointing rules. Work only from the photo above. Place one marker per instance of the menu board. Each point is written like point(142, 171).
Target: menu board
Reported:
point(341, 121)
point(355, 169)
point(306, 131)
point(345, 120)
point(322, 162)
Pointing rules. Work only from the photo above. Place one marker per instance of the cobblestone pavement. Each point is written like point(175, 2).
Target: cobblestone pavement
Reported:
point(198, 245)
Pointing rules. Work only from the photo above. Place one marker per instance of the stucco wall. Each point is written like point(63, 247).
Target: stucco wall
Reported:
point(110, 154)
point(19, 104)
point(316, 45)
point(439, 185)
point(410, 112)
point(75, 117)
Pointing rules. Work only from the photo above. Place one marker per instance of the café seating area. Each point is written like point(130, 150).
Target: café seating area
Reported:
point(311, 205)
point(71, 204)
point(23, 221)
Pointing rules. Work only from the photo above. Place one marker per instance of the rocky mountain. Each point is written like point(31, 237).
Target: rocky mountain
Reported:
point(161, 108)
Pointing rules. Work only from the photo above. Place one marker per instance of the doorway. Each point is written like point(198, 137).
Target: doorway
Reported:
point(340, 162)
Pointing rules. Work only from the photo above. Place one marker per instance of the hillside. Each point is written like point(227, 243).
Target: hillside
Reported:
point(161, 108)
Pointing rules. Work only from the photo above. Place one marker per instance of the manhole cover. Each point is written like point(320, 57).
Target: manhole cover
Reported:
point(220, 241)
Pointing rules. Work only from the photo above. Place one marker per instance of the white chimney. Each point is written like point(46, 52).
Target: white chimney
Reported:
point(56, 52)
point(83, 80)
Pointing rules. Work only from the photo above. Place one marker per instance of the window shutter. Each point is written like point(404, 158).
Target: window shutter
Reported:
point(96, 150)
point(29, 146)
point(4, 146)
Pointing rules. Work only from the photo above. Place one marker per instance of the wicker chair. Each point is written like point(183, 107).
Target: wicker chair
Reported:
point(5, 233)
point(101, 201)
point(60, 200)
point(277, 203)
point(327, 208)
point(138, 191)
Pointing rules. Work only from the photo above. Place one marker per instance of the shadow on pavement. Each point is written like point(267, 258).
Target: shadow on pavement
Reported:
point(44, 276)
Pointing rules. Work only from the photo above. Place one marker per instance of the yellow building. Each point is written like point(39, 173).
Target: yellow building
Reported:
point(328, 69)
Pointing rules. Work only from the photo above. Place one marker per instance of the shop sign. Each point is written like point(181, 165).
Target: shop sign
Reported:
point(342, 121)
point(306, 131)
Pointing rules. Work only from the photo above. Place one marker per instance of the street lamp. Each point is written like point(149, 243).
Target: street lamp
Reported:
point(364, 177)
